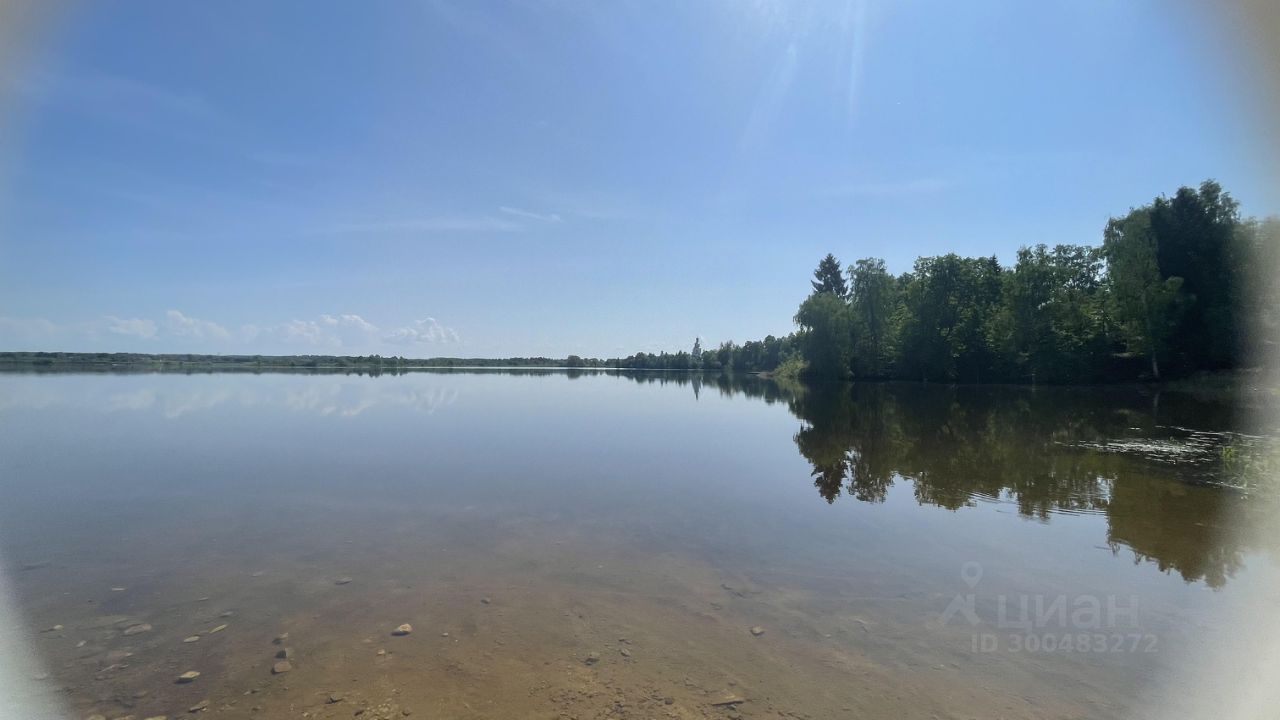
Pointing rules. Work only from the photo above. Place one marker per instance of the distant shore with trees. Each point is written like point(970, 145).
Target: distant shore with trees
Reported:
point(265, 363)
point(1180, 286)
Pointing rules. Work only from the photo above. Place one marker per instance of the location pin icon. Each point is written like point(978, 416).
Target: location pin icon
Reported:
point(971, 573)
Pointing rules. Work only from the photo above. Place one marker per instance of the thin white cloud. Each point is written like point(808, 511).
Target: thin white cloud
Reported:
point(124, 100)
point(422, 332)
point(528, 215)
point(889, 188)
point(184, 326)
point(769, 101)
point(15, 330)
point(305, 331)
point(349, 320)
point(343, 330)
point(339, 333)
point(482, 223)
point(136, 327)
point(854, 27)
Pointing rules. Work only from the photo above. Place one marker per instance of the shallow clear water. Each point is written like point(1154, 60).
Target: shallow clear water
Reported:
point(889, 541)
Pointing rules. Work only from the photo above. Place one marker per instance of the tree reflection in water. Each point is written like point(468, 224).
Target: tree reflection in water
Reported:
point(1152, 463)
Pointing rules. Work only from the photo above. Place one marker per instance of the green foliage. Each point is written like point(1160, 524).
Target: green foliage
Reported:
point(874, 298)
point(790, 370)
point(1052, 323)
point(947, 304)
point(828, 278)
point(752, 356)
point(826, 335)
point(1145, 304)
point(1195, 235)
point(1178, 286)
point(1259, 240)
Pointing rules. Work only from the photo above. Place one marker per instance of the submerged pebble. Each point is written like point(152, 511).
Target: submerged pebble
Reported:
point(188, 676)
point(137, 629)
point(281, 667)
point(757, 631)
point(193, 638)
point(404, 629)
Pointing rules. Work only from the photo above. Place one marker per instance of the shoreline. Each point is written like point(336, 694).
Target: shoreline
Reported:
point(1246, 380)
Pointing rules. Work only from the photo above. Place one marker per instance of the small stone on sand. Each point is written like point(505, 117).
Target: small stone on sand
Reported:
point(592, 658)
point(285, 654)
point(203, 704)
point(485, 600)
point(218, 629)
point(404, 629)
point(757, 631)
point(281, 667)
point(136, 629)
point(193, 638)
point(342, 581)
point(188, 676)
point(279, 639)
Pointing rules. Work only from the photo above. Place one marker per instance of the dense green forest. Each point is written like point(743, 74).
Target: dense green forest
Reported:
point(1180, 285)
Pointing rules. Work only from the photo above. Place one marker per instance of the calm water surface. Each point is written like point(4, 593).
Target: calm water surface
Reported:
point(598, 546)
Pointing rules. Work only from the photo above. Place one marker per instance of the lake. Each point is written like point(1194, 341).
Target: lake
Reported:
point(591, 545)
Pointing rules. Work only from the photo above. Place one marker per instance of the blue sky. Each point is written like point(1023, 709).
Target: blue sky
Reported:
point(545, 178)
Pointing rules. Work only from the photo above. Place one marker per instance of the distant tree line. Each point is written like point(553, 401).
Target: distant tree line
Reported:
point(1178, 286)
point(302, 362)
point(752, 356)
